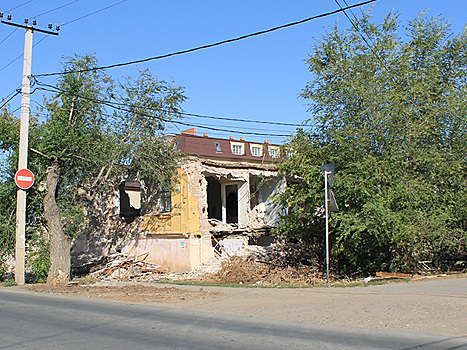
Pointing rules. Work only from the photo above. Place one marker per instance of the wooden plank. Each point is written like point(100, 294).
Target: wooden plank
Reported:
point(392, 275)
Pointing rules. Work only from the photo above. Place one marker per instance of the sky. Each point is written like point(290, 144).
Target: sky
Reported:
point(256, 79)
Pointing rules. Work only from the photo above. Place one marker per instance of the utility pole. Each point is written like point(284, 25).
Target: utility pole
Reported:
point(23, 142)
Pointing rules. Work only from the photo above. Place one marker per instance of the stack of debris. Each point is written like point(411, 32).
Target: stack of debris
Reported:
point(253, 271)
point(118, 266)
point(219, 228)
point(275, 264)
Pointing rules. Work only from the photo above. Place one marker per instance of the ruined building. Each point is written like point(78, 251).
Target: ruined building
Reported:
point(223, 199)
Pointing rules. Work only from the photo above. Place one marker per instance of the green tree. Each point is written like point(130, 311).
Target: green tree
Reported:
point(97, 133)
point(390, 113)
point(9, 129)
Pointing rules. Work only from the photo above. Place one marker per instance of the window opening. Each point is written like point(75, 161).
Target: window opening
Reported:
point(218, 147)
point(130, 200)
point(165, 200)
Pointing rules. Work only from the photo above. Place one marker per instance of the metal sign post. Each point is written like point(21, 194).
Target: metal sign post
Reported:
point(326, 174)
point(329, 205)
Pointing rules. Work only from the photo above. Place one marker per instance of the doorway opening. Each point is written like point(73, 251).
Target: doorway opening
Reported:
point(231, 204)
point(214, 198)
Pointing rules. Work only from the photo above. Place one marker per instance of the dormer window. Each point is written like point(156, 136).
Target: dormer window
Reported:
point(274, 151)
point(218, 147)
point(256, 150)
point(237, 149)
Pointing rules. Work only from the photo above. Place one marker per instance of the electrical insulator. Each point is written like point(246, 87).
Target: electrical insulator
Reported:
point(9, 17)
point(1, 14)
point(50, 25)
point(26, 20)
point(34, 22)
point(57, 28)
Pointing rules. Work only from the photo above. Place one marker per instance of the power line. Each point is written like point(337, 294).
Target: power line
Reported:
point(14, 30)
point(214, 128)
point(55, 9)
point(241, 128)
point(182, 113)
point(17, 58)
point(111, 105)
point(93, 13)
point(75, 20)
point(355, 26)
point(211, 45)
point(17, 7)
point(240, 120)
point(16, 93)
point(17, 109)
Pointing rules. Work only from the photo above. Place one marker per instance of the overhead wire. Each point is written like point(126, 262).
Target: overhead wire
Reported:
point(16, 93)
point(56, 8)
point(355, 26)
point(21, 5)
point(202, 47)
point(193, 49)
point(166, 120)
point(182, 113)
point(192, 114)
point(17, 58)
point(14, 30)
point(241, 128)
point(240, 120)
point(93, 13)
point(75, 20)
point(183, 123)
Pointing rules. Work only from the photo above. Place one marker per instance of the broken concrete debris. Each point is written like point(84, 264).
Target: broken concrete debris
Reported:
point(240, 263)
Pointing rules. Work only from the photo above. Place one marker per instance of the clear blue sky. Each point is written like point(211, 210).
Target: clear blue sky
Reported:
point(257, 78)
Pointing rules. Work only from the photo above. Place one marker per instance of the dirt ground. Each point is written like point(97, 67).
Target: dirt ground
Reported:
point(433, 306)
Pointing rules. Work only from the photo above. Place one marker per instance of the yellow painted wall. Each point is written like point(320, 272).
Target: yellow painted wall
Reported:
point(188, 248)
point(184, 217)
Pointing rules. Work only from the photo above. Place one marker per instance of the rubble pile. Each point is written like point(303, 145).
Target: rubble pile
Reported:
point(218, 227)
point(253, 271)
point(118, 266)
point(272, 265)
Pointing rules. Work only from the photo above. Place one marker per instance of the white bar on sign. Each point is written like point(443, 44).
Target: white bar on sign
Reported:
point(24, 178)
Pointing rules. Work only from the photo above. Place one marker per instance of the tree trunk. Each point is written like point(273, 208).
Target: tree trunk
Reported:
point(59, 271)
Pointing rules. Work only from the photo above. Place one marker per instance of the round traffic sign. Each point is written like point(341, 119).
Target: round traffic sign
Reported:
point(24, 178)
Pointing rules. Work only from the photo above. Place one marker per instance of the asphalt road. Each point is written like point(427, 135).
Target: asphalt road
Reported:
point(36, 321)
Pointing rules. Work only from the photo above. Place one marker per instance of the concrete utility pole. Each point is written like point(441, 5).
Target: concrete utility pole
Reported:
point(23, 144)
point(23, 160)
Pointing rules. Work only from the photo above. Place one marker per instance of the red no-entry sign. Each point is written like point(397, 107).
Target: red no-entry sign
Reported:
point(24, 178)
